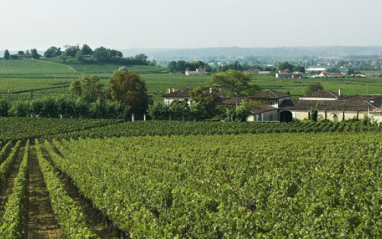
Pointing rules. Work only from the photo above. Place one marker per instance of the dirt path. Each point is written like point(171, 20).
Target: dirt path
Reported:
point(41, 221)
point(95, 220)
point(7, 188)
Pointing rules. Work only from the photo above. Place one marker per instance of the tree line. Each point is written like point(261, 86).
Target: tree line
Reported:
point(126, 95)
point(54, 107)
point(181, 66)
point(21, 54)
point(85, 54)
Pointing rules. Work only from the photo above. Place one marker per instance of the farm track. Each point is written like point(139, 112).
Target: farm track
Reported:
point(7, 189)
point(94, 218)
point(41, 221)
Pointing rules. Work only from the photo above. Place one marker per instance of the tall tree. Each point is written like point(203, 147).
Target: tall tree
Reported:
point(234, 83)
point(52, 52)
point(6, 54)
point(172, 65)
point(312, 87)
point(206, 99)
point(102, 54)
point(86, 50)
point(88, 87)
point(71, 50)
point(130, 89)
point(285, 66)
point(35, 54)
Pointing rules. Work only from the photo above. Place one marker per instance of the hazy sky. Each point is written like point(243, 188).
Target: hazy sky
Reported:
point(122, 24)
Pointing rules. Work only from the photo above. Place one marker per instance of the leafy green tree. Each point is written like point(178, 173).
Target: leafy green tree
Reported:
point(172, 66)
point(350, 71)
point(130, 89)
point(20, 109)
point(334, 69)
point(86, 50)
point(141, 59)
point(4, 107)
point(234, 83)
point(243, 111)
point(81, 108)
point(181, 66)
point(312, 87)
point(206, 100)
point(79, 56)
point(197, 111)
point(6, 54)
point(65, 107)
point(88, 87)
point(284, 66)
point(71, 51)
point(101, 54)
point(63, 57)
point(52, 52)
point(159, 111)
point(179, 110)
point(299, 68)
point(35, 54)
point(50, 109)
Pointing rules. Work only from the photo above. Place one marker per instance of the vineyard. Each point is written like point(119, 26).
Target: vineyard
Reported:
point(48, 128)
point(62, 178)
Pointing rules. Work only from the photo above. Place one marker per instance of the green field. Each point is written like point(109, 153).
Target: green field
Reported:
point(52, 77)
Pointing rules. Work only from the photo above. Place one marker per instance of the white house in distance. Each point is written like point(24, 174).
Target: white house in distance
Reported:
point(293, 75)
point(198, 72)
point(329, 75)
point(172, 95)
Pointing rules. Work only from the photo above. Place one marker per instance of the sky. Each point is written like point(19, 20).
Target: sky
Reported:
point(124, 24)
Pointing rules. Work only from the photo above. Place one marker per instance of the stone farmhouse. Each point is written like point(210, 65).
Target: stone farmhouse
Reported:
point(334, 105)
point(181, 95)
point(272, 105)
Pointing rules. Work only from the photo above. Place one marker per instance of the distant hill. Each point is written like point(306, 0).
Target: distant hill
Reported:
point(239, 52)
point(277, 53)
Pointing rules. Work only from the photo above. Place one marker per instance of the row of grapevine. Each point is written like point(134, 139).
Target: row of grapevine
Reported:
point(69, 214)
point(30, 128)
point(5, 150)
point(11, 225)
point(166, 128)
point(7, 165)
point(109, 200)
point(234, 186)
